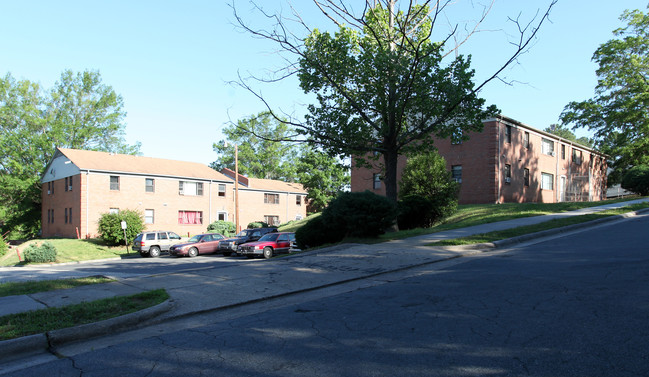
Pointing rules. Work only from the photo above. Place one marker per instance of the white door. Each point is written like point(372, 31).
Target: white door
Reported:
point(562, 189)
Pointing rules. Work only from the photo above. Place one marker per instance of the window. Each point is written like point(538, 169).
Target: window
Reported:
point(190, 217)
point(114, 183)
point(271, 198)
point(547, 147)
point(50, 216)
point(526, 177)
point(563, 151)
point(526, 140)
point(68, 215)
point(149, 216)
point(508, 174)
point(222, 216)
point(271, 220)
point(113, 211)
point(576, 156)
point(508, 134)
point(68, 183)
point(149, 185)
point(50, 188)
point(190, 188)
point(221, 190)
point(298, 200)
point(456, 173)
point(547, 181)
point(376, 181)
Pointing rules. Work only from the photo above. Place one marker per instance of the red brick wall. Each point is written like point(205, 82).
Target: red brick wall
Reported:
point(484, 156)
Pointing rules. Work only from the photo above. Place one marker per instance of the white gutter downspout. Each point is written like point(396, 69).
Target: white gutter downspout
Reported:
point(210, 203)
point(87, 202)
point(498, 172)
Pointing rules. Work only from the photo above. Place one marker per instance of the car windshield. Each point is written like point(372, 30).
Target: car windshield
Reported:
point(243, 233)
point(269, 237)
point(196, 238)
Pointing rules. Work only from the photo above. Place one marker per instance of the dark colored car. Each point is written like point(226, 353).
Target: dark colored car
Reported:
point(268, 245)
point(231, 245)
point(199, 244)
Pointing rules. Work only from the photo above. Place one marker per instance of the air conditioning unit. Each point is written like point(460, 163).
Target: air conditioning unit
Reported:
point(508, 180)
point(552, 154)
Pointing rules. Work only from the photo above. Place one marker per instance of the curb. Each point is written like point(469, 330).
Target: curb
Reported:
point(32, 344)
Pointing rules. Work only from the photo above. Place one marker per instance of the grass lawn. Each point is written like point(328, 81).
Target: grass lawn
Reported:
point(29, 287)
point(528, 229)
point(476, 214)
point(70, 250)
point(39, 321)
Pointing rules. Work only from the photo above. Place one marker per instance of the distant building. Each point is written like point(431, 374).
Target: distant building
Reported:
point(78, 186)
point(511, 162)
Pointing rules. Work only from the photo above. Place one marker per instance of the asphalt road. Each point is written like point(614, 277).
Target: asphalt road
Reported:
point(576, 305)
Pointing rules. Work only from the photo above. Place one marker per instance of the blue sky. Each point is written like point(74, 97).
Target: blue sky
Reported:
point(172, 61)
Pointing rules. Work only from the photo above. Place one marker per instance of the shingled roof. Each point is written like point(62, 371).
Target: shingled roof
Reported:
point(265, 184)
point(123, 163)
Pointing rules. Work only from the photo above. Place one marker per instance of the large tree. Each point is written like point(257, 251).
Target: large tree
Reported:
point(79, 112)
point(322, 176)
point(565, 132)
point(260, 155)
point(384, 83)
point(619, 111)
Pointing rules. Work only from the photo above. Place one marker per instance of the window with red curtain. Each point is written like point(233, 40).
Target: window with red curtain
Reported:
point(190, 217)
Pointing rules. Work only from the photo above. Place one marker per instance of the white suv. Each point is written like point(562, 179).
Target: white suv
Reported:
point(152, 243)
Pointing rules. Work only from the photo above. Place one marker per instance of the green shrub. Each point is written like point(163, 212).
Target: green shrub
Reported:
point(40, 254)
point(363, 214)
point(637, 180)
point(425, 175)
point(350, 214)
point(3, 247)
point(258, 224)
point(415, 211)
point(318, 232)
point(225, 228)
point(110, 227)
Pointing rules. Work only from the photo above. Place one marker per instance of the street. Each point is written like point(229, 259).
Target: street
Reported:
point(576, 305)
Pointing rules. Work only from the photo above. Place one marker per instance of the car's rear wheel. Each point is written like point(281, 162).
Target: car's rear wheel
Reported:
point(192, 252)
point(268, 252)
point(154, 252)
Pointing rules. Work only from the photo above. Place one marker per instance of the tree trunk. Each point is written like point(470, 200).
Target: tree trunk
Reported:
point(390, 180)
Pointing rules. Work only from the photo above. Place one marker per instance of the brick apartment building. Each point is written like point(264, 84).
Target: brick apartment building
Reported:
point(511, 162)
point(78, 186)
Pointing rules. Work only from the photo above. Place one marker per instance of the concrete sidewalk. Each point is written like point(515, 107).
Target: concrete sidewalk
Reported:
point(208, 289)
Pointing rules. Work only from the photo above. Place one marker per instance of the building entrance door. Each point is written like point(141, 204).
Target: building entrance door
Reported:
point(562, 188)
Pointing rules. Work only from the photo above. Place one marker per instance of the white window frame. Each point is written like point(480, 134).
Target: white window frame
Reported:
point(149, 216)
point(547, 147)
point(547, 181)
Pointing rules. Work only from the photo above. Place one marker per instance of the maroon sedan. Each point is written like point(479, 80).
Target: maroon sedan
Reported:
point(207, 243)
point(268, 245)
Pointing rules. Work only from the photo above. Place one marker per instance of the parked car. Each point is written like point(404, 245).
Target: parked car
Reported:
point(154, 242)
point(231, 245)
point(207, 243)
point(268, 245)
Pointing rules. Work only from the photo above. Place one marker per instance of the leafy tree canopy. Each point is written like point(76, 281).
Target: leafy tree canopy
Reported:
point(79, 112)
point(382, 86)
point(566, 133)
point(260, 154)
point(322, 176)
point(619, 111)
